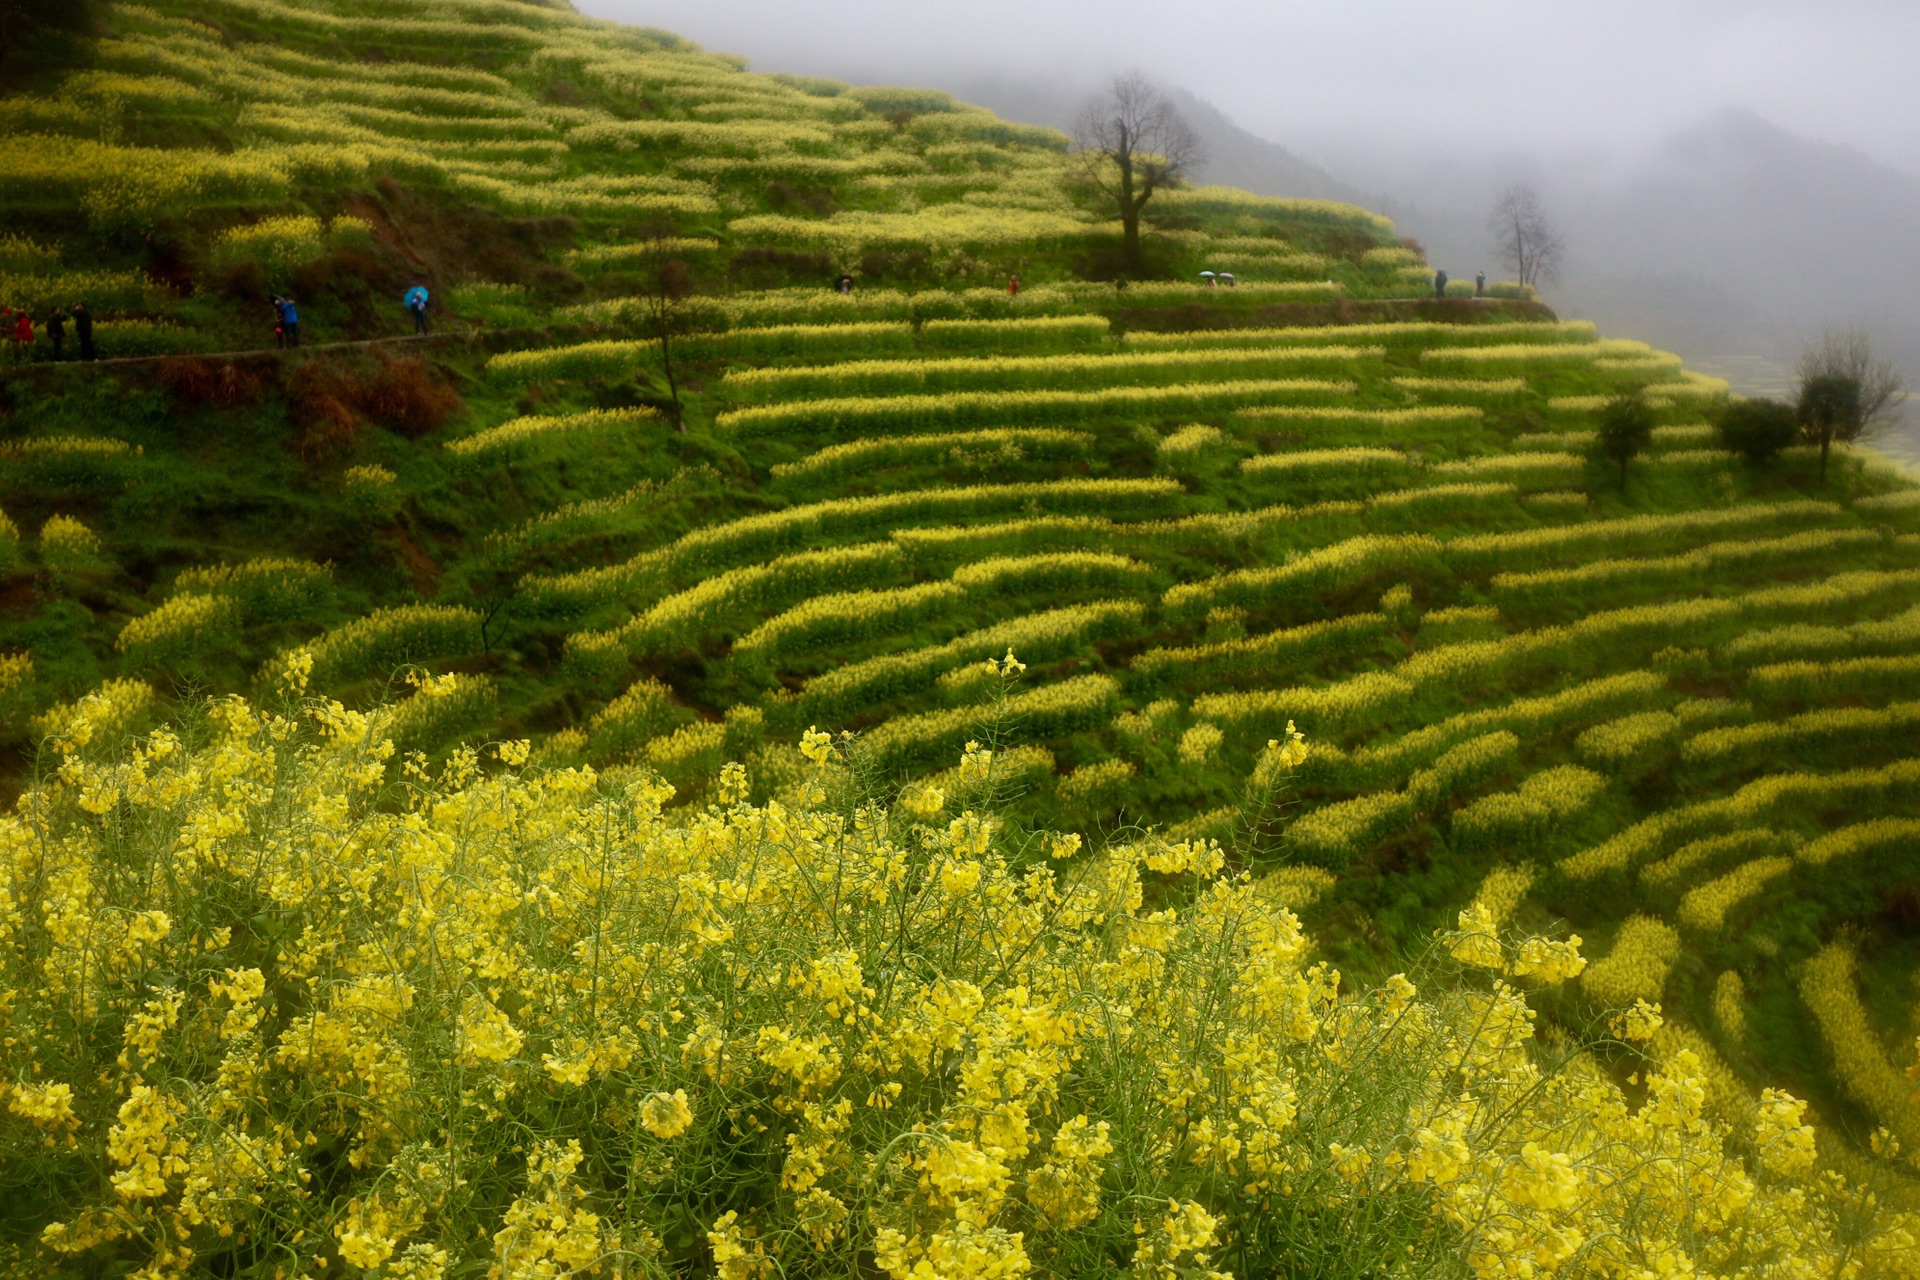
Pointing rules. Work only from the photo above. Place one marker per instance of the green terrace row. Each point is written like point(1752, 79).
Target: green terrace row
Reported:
point(780, 325)
point(709, 550)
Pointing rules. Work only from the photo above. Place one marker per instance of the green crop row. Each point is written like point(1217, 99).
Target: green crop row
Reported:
point(1041, 637)
point(716, 548)
point(1008, 445)
point(1050, 710)
point(1804, 640)
point(385, 640)
point(1796, 792)
point(1344, 566)
point(1844, 727)
point(1523, 816)
point(1227, 659)
point(1015, 333)
point(1394, 335)
point(845, 618)
point(1626, 535)
point(1365, 698)
point(519, 434)
point(857, 415)
point(1599, 578)
point(1891, 676)
point(1336, 833)
point(1048, 372)
point(1537, 355)
point(727, 600)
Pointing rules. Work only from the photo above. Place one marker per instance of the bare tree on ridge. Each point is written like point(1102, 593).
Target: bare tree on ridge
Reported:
point(1133, 142)
point(1527, 242)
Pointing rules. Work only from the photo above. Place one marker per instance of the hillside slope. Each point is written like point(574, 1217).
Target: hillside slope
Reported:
point(1678, 715)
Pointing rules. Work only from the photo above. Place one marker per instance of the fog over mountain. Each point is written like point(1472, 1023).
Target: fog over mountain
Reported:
point(1730, 177)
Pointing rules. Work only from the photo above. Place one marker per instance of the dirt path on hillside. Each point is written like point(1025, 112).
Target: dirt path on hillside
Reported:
point(244, 355)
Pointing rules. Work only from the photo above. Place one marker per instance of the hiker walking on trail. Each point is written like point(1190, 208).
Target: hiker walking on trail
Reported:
point(83, 329)
point(415, 300)
point(57, 331)
point(1439, 284)
point(290, 321)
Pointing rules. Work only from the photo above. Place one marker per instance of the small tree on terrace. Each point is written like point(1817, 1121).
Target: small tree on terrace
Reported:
point(1527, 243)
point(666, 286)
point(1626, 429)
point(1132, 142)
point(1757, 429)
point(1847, 392)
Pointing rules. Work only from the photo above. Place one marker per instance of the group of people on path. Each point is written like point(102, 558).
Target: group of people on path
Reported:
point(1440, 284)
point(17, 328)
point(286, 315)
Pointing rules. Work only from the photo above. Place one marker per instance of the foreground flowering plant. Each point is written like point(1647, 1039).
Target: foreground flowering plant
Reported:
point(269, 1012)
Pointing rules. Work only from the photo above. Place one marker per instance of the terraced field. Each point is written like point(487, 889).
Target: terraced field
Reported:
point(1122, 538)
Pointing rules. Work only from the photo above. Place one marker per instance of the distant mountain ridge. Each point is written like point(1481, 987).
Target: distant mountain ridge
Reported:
point(1235, 157)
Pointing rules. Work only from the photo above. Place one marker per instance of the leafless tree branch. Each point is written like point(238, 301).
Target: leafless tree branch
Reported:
point(1848, 354)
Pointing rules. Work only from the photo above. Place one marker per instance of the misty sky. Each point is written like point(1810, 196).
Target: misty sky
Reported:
point(1478, 75)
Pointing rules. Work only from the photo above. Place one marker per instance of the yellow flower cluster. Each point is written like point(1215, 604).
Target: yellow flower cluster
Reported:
point(382, 641)
point(66, 543)
point(493, 1013)
point(183, 626)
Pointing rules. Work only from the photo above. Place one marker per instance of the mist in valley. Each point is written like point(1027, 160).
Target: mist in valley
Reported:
point(1730, 178)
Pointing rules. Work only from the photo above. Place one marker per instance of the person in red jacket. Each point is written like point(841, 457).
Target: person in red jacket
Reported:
point(23, 337)
point(1013, 285)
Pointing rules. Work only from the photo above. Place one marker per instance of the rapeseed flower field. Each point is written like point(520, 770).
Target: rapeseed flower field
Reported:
point(755, 747)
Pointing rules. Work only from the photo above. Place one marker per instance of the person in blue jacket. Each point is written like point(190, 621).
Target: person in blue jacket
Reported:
point(415, 300)
point(290, 322)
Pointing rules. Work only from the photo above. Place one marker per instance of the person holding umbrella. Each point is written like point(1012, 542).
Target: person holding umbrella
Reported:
point(415, 300)
point(1213, 281)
